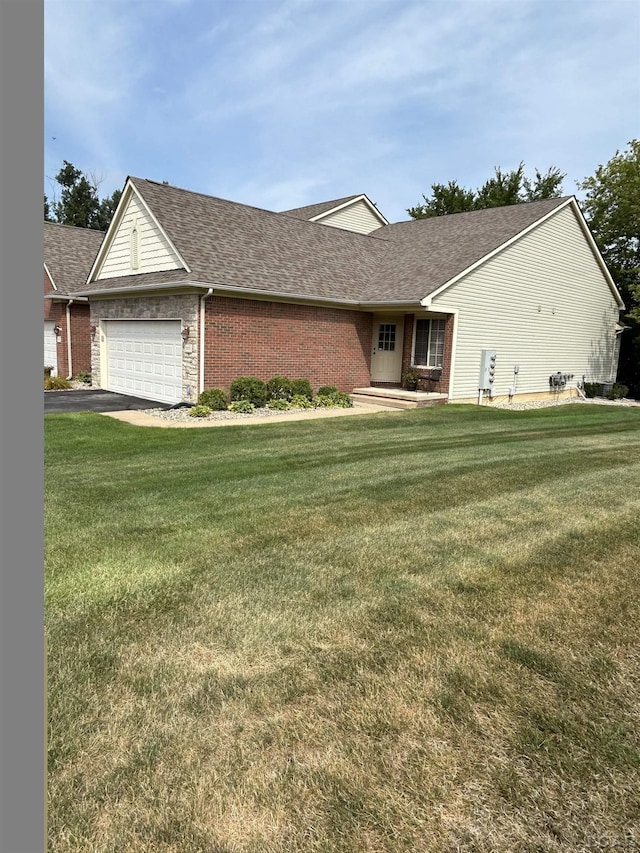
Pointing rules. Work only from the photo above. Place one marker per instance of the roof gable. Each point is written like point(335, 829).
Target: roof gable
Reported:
point(352, 213)
point(135, 242)
point(69, 252)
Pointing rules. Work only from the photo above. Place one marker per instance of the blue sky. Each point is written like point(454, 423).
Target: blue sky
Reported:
point(282, 103)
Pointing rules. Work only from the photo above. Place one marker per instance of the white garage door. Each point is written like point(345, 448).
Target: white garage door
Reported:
point(50, 348)
point(144, 358)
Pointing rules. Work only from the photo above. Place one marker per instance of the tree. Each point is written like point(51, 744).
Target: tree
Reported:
point(79, 203)
point(612, 210)
point(503, 188)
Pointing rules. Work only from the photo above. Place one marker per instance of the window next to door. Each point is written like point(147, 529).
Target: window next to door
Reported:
point(428, 348)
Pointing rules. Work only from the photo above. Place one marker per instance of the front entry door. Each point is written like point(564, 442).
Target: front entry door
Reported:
point(386, 357)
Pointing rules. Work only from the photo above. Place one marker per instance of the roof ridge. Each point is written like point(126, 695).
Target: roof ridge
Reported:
point(76, 227)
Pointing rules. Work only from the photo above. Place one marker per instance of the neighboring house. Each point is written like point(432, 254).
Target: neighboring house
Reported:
point(189, 291)
point(69, 253)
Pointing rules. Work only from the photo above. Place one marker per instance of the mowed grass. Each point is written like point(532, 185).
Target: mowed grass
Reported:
point(405, 632)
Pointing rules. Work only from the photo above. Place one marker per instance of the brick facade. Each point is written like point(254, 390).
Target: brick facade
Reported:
point(56, 310)
point(245, 337)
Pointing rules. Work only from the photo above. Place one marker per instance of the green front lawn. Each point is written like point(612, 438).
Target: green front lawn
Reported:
point(414, 631)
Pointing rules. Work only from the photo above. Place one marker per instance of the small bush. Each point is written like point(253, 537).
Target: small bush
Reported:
point(199, 411)
point(242, 407)
point(249, 388)
point(281, 405)
point(84, 376)
point(279, 388)
point(591, 389)
point(617, 392)
point(301, 388)
point(56, 383)
point(301, 401)
point(327, 390)
point(341, 400)
point(337, 399)
point(48, 369)
point(214, 398)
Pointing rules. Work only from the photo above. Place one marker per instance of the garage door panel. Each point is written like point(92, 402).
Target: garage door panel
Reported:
point(144, 358)
point(50, 347)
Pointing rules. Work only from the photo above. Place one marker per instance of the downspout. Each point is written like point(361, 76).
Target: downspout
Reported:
point(69, 363)
point(202, 298)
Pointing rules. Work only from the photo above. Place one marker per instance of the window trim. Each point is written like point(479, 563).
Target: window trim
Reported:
point(429, 320)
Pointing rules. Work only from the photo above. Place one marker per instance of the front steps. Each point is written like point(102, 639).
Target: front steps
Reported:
point(397, 398)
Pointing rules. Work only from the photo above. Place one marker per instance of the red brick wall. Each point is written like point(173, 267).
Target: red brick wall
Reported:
point(246, 337)
point(80, 338)
point(80, 335)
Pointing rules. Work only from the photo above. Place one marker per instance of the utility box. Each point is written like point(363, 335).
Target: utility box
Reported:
point(487, 369)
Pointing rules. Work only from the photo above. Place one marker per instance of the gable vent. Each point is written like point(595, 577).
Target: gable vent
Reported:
point(134, 246)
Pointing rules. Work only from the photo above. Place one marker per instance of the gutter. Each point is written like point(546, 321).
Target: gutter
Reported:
point(69, 363)
point(201, 339)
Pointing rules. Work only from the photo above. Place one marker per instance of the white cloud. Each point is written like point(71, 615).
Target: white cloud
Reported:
point(293, 99)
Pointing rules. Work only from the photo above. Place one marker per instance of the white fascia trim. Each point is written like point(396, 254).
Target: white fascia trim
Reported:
point(344, 204)
point(426, 302)
point(281, 295)
point(128, 191)
point(53, 284)
point(133, 289)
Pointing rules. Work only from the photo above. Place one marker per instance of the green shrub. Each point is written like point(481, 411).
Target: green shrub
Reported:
point(301, 388)
point(281, 405)
point(617, 392)
point(200, 411)
point(56, 383)
point(337, 399)
point(214, 398)
point(592, 389)
point(301, 401)
point(84, 376)
point(327, 390)
point(279, 388)
point(249, 388)
point(243, 407)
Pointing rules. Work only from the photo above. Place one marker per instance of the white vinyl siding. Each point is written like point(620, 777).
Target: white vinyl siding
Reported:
point(543, 304)
point(356, 217)
point(144, 358)
point(153, 251)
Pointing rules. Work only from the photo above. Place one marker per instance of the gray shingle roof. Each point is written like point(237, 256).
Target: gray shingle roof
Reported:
point(226, 244)
point(69, 253)
point(231, 245)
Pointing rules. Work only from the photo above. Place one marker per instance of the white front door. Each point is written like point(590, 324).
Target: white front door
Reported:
point(144, 358)
point(50, 346)
point(386, 356)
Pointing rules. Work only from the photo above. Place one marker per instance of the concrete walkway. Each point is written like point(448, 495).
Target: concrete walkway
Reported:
point(143, 419)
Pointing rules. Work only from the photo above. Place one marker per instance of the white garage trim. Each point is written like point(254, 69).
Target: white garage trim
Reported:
point(50, 346)
point(144, 358)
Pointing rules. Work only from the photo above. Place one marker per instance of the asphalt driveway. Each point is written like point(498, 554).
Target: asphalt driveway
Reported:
point(95, 400)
